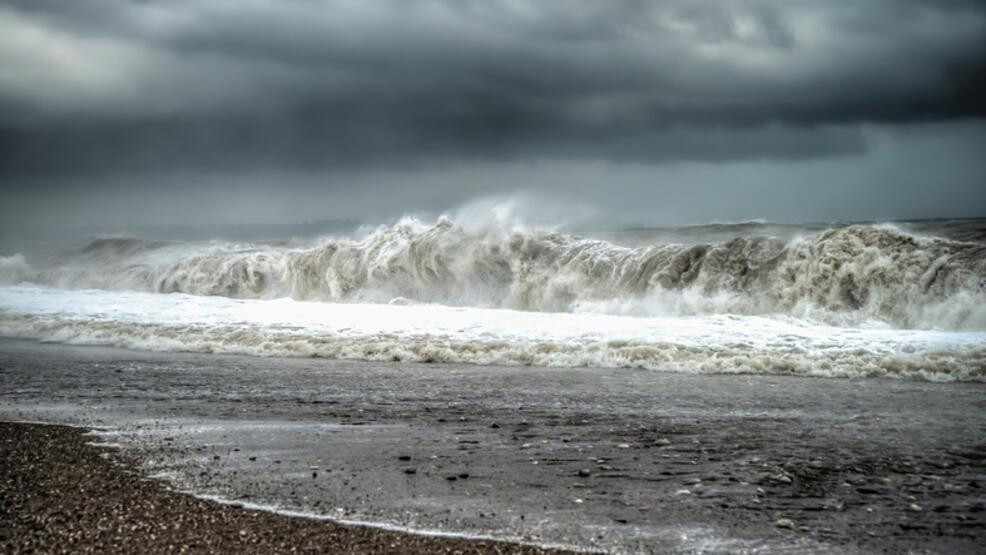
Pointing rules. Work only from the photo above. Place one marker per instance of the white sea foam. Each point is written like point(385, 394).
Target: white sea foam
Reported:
point(434, 333)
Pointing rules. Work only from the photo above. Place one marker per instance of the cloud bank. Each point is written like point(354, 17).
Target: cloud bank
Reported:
point(123, 87)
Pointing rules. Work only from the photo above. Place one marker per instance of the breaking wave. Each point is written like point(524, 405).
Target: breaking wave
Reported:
point(852, 275)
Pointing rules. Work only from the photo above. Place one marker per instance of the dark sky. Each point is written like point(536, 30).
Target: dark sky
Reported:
point(665, 112)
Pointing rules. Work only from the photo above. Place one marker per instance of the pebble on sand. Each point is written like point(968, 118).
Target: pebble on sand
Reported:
point(120, 512)
point(784, 523)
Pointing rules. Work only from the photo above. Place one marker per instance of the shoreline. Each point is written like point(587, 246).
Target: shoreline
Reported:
point(596, 460)
point(64, 493)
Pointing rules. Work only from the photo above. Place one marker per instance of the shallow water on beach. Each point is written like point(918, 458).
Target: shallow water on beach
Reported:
point(616, 459)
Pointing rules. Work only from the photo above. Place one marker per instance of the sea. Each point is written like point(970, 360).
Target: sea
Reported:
point(903, 300)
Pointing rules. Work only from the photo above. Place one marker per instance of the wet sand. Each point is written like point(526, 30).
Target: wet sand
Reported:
point(60, 494)
point(612, 460)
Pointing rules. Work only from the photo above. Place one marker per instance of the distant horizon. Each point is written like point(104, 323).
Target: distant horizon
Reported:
point(11, 236)
point(427, 218)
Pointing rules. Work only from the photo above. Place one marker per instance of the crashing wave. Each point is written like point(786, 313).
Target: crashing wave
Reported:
point(846, 276)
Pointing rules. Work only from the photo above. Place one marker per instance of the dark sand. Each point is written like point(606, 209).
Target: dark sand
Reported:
point(58, 494)
point(620, 461)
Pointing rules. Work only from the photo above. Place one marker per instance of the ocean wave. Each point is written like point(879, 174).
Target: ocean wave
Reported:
point(852, 275)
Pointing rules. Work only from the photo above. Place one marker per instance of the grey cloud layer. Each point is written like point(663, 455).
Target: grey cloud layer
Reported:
point(118, 86)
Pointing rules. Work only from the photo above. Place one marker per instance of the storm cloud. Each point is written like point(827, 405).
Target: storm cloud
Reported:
point(115, 86)
point(651, 112)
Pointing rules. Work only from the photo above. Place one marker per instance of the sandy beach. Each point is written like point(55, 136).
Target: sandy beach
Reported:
point(617, 461)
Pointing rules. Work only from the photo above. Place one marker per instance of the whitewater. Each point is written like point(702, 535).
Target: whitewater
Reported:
point(861, 300)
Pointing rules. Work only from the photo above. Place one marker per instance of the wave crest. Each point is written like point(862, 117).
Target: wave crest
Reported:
point(847, 276)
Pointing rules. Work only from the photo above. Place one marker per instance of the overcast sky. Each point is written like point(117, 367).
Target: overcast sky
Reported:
point(664, 112)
